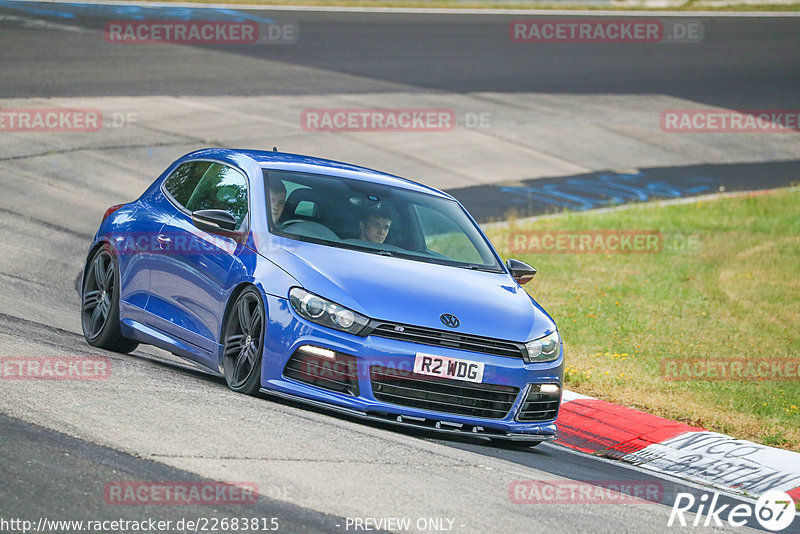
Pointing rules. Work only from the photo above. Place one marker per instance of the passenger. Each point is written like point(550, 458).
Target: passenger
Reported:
point(375, 224)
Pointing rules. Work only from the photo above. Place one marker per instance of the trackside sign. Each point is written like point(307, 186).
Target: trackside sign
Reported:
point(722, 461)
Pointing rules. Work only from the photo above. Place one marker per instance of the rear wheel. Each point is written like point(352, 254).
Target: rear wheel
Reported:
point(244, 342)
point(100, 303)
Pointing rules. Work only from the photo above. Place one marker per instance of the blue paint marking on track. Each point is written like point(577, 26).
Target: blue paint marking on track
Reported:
point(71, 10)
point(36, 9)
point(607, 189)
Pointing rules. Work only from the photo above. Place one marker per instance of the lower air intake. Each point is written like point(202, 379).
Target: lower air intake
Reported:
point(339, 374)
point(489, 401)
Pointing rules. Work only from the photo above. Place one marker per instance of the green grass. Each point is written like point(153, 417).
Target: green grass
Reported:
point(725, 286)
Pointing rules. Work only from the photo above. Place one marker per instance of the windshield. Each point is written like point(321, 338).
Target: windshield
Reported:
point(375, 218)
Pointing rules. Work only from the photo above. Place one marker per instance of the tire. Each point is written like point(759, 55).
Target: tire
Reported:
point(100, 303)
point(243, 342)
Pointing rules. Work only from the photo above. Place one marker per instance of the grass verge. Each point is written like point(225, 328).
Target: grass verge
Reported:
point(724, 286)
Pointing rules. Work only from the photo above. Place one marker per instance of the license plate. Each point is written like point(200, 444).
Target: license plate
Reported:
point(444, 367)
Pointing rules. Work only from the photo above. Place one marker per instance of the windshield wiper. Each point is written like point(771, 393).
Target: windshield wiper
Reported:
point(476, 267)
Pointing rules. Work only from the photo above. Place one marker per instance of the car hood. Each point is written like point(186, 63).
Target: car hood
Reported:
point(415, 293)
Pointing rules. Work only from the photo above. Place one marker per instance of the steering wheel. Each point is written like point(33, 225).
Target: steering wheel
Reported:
point(284, 224)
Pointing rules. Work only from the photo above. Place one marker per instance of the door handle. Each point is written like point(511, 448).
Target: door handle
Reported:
point(163, 240)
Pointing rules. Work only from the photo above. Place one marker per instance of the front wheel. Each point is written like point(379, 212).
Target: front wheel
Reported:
point(100, 304)
point(244, 342)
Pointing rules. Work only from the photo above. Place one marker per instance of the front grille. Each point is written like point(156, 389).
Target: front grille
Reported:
point(489, 401)
point(453, 340)
point(339, 375)
point(539, 406)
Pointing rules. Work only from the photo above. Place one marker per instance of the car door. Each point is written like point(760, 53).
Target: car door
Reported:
point(134, 244)
point(189, 281)
point(137, 245)
point(173, 194)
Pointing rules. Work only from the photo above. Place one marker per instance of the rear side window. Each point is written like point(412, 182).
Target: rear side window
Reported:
point(205, 185)
point(182, 182)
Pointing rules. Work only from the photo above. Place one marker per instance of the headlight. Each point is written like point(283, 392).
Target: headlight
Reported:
point(544, 349)
point(322, 311)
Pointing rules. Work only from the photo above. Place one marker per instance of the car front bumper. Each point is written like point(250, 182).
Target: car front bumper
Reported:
point(357, 357)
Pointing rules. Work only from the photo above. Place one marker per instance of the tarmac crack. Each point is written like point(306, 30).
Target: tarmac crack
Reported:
point(20, 278)
point(46, 224)
point(99, 148)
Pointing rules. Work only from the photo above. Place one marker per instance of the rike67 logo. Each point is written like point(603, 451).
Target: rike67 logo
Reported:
point(774, 511)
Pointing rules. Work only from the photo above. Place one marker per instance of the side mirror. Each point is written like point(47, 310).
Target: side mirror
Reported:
point(214, 220)
point(521, 272)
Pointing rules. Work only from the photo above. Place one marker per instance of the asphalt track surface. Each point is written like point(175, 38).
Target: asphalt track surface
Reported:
point(741, 63)
point(49, 474)
point(160, 420)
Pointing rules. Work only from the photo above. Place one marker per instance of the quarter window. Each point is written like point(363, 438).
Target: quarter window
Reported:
point(204, 185)
point(183, 181)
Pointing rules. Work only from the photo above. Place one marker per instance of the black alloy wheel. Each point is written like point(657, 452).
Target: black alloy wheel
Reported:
point(244, 343)
point(100, 304)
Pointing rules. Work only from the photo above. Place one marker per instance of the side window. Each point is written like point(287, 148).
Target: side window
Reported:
point(220, 188)
point(182, 182)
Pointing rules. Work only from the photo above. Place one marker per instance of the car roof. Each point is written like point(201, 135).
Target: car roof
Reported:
point(297, 162)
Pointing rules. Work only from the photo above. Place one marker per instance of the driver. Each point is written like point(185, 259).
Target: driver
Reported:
point(277, 199)
point(375, 224)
